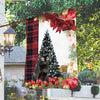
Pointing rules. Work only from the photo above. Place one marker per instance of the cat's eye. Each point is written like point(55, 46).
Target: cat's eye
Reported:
point(42, 59)
point(47, 58)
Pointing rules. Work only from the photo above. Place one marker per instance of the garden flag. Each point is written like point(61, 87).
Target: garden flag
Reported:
point(51, 60)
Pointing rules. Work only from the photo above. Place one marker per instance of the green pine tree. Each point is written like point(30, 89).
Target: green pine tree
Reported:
point(47, 48)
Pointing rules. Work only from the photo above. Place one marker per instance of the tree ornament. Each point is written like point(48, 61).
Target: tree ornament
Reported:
point(66, 87)
point(73, 44)
point(71, 63)
point(73, 83)
point(26, 84)
point(56, 82)
point(74, 35)
point(64, 12)
point(35, 19)
point(46, 83)
point(71, 14)
point(69, 34)
point(33, 86)
point(39, 82)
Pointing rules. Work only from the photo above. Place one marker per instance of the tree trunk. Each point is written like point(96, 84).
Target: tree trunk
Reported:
point(71, 93)
point(93, 96)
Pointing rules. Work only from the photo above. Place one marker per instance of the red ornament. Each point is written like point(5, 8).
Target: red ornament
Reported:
point(73, 44)
point(69, 34)
point(39, 82)
point(50, 79)
point(46, 83)
point(73, 83)
point(63, 83)
point(42, 17)
point(56, 82)
point(71, 14)
point(53, 80)
point(33, 82)
point(63, 16)
point(56, 87)
point(30, 83)
point(47, 20)
point(67, 80)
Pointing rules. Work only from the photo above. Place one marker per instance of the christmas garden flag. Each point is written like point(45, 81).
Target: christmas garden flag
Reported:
point(51, 60)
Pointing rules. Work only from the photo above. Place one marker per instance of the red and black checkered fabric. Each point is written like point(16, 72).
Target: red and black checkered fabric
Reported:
point(32, 48)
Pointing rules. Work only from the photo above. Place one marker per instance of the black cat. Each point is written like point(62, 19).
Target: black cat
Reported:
point(41, 68)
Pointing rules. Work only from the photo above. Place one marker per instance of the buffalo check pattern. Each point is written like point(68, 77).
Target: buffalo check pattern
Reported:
point(32, 47)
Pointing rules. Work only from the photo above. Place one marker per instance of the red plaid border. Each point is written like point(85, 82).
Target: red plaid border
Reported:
point(32, 48)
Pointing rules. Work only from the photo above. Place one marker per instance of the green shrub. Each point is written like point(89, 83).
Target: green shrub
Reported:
point(95, 90)
point(87, 76)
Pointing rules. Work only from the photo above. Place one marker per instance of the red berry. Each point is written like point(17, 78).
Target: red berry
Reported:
point(47, 20)
point(41, 87)
point(56, 87)
point(69, 34)
point(42, 17)
point(56, 82)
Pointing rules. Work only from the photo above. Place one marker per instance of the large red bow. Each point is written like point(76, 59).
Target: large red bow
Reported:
point(59, 24)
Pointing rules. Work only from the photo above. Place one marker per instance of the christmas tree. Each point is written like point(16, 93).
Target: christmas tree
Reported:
point(47, 48)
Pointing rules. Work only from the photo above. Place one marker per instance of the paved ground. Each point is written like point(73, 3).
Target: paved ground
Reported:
point(74, 98)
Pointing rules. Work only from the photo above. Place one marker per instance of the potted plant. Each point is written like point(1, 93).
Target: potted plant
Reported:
point(95, 90)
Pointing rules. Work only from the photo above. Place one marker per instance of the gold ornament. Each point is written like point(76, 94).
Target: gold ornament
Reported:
point(74, 35)
point(71, 63)
point(75, 72)
point(35, 19)
point(30, 87)
point(51, 85)
point(60, 79)
point(66, 87)
point(26, 84)
point(64, 12)
point(33, 86)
